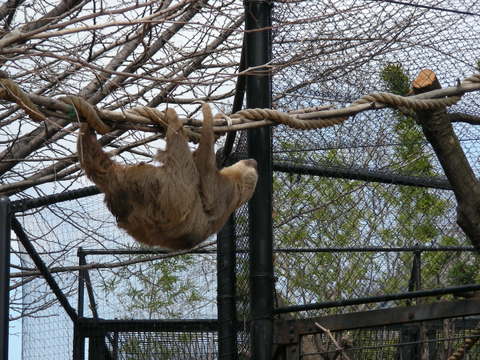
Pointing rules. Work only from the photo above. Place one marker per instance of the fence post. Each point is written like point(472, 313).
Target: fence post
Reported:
point(227, 313)
point(5, 227)
point(258, 37)
point(78, 338)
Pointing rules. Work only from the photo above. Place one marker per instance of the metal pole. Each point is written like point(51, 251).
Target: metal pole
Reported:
point(380, 298)
point(5, 220)
point(259, 94)
point(78, 338)
point(227, 311)
point(81, 282)
point(227, 248)
point(362, 174)
point(27, 204)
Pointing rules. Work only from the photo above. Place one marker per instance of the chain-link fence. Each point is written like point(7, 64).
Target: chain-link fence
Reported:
point(354, 201)
point(124, 283)
point(360, 210)
point(425, 340)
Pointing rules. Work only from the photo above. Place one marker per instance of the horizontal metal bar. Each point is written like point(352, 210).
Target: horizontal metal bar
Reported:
point(376, 249)
point(287, 250)
point(286, 330)
point(281, 166)
point(361, 174)
point(27, 204)
point(355, 173)
point(84, 252)
point(99, 327)
point(373, 299)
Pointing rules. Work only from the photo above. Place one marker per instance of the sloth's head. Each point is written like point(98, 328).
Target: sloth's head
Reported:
point(244, 174)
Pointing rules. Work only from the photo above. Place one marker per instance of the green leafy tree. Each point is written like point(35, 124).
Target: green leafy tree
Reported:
point(317, 213)
point(421, 212)
point(165, 288)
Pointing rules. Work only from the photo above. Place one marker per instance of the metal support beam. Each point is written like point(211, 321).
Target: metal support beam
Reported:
point(5, 220)
point(362, 174)
point(27, 204)
point(380, 298)
point(289, 331)
point(226, 284)
point(98, 327)
point(79, 341)
point(258, 39)
point(227, 247)
point(39, 263)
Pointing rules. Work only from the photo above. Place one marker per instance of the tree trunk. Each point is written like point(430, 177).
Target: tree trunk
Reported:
point(439, 132)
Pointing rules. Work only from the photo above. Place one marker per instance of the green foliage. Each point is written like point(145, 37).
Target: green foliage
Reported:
point(396, 79)
point(157, 289)
point(420, 211)
point(465, 272)
point(322, 212)
point(146, 347)
point(307, 214)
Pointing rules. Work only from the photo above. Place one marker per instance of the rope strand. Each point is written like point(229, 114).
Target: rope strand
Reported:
point(247, 118)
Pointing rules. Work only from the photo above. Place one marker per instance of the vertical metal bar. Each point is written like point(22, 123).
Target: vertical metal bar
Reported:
point(418, 265)
point(237, 104)
point(259, 52)
point(115, 346)
point(412, 335)
point(5, 227)
point(78, 343)
point(226, 284)
point(81, 282)
point(78, 338)
point(226, 249)
point(91, 295)
point(414, 281)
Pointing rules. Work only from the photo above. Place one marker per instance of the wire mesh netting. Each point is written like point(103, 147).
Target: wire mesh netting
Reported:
point(325, 53)
point(163, 345)
point(425, 340)
point(125, 286)
point(46, 334)
point(329, 54)
point(242, 235)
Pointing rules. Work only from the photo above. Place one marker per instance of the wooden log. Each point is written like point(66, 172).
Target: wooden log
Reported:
point(425, 81)
point(439, 132)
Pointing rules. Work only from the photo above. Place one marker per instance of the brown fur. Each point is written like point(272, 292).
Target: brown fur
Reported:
point(176, 205)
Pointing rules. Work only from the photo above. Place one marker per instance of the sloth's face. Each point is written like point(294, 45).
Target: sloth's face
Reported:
point(250, 176)
point(245, 174)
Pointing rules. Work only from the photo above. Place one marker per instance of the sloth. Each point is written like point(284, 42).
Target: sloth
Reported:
point(179, 203)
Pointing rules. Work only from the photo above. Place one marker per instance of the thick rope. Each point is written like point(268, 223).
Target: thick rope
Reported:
point(473, 79)
point(11, 91)
point(398, 101)
point(318, 120)
point(466, 346)
point(385, 99)
point(290, 120)
point(153, 114)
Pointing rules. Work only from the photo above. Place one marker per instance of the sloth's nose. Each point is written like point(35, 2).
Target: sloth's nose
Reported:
point(251, 162)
